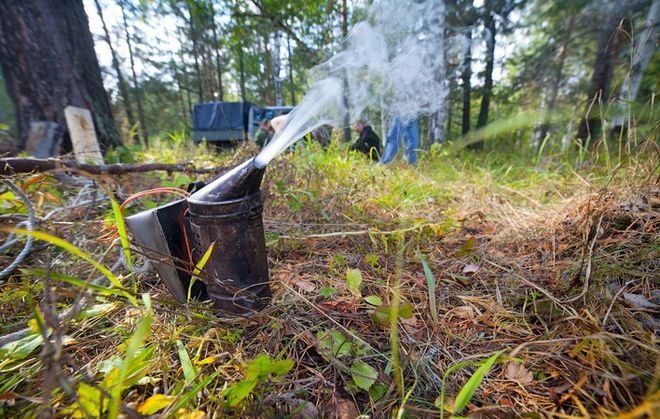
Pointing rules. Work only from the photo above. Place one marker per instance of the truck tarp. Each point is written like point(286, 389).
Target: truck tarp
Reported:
point(218, 121)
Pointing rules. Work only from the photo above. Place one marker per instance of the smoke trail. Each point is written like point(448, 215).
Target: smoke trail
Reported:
point(394, 60)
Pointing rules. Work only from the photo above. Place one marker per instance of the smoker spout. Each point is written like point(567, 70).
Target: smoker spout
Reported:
point(241, 181)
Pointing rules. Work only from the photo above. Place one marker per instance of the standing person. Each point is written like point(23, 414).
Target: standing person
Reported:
point(368, 142)
point(406, 130)
point(264, 134)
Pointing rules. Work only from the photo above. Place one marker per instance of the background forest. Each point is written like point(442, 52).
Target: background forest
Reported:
point(560, 63)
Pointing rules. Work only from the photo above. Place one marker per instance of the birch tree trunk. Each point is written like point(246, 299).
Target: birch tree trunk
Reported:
point(277, 66)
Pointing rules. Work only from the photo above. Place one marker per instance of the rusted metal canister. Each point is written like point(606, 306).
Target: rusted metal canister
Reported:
point(228, 212)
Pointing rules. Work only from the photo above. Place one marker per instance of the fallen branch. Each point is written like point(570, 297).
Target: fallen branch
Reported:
point(14, 165)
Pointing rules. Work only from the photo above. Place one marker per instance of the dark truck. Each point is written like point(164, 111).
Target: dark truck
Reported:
point(226, 123)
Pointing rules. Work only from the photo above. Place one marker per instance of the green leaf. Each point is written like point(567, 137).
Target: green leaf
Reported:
point(21, 348)
point(189, 372)
point(354, 281)
point(363, 374)
point(328, 292)
point(381, 315)
point(260, 367)
point(378, 390)
point(89, 399)
point(121, 229)
point(281, 367)
point(183, 400)
point(154, 404)
point(235, 393)
point(333, 344)
point(430, 282)
point(467, 247)
point(198, 268)
point(374, 300)
point(473, 383)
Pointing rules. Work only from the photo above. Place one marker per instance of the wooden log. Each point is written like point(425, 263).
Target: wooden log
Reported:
point(15, 165)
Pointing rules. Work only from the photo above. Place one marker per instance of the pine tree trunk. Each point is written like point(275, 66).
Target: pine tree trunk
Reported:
point(554, 92)
point(48, 62)
point(136, 87)
point(195, 51)
point(482, 121)
point(241, 70)
point(218, 61)
point(467, 88)
point(121, 81)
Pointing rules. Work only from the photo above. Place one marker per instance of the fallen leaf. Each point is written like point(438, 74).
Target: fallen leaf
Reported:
point(344, 409)
point(518, 373)
point(464, 312)
point(304, 285)
point(302, 409)
point(155, 403)
point(470, 268)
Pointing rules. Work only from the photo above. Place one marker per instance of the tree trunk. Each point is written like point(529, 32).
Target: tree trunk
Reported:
point(277, 65)
point(554, 92)
point(195, 51)
point(482, 121)
point(241, 70)
point(292, 86)
point(268, 70)
point(609, 44)
point(136, 87)
point(645, 46)
point(450, 108)
point(440, 115)
point(467, 89)
point(48, 62)
point(121, 81)
point(218, 61)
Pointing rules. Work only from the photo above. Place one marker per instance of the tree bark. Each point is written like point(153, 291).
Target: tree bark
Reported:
point(12, 166)
point(218, 61)
point(645, 46)
point(136, 87)
point(277, 66)
point(241, 70)
point(467, 88)
point(482, 121)
point(440, 115)
point(121, 81)
point(292, 86)
point(195, 51)
point(609, 45)
point(48, 62)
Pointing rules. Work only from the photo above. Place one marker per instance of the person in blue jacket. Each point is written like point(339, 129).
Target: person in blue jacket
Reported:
point(407, 131)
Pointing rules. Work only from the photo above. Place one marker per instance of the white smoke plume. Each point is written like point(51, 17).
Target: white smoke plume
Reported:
point(393, 61)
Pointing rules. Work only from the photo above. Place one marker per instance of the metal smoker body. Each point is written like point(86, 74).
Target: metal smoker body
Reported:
point(227, 212)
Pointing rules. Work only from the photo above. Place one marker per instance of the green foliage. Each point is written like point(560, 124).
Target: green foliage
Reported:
point(259, 370)
point(354, 281)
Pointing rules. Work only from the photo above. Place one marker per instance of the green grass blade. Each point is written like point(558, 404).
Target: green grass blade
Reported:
point(121, 229)
point(68, 247)
point(473, 383)
point(198, 268)
point(430, 281)
point(189, 372)
point(106, 291)
point(135, 342)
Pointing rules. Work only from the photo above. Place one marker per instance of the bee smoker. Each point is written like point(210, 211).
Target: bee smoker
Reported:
point(226, 213)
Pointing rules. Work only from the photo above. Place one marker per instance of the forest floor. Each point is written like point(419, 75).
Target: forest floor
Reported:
point(522, 287)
